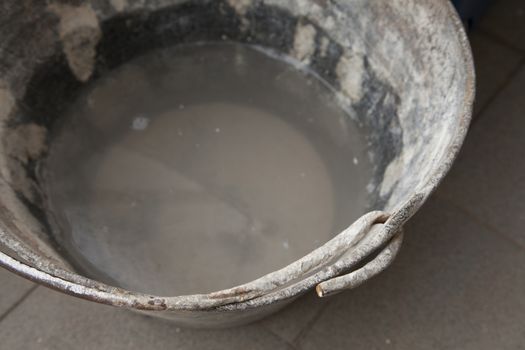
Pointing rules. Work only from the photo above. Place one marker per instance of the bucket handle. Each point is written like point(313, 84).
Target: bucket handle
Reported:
point(357, 277)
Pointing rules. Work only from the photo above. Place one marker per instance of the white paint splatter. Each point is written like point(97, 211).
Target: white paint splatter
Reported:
point(286, 245)
point(356, 161)
point(217, 130)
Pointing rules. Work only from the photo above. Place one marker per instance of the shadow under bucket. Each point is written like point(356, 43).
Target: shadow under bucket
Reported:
point(190, 147)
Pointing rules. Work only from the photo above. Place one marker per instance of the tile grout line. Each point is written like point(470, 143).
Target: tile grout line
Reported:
point(477, 220)
point(279, 338)
point(495, 95)
point(498, 39)
point(293, 343)
point(18, 302)
point(309, 325)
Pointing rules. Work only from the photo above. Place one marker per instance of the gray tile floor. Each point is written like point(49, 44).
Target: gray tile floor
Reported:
point(458, 282)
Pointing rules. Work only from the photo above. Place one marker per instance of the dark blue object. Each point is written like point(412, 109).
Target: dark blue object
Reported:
point(470, 10)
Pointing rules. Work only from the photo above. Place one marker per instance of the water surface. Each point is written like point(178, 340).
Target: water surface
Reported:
point(200, 167)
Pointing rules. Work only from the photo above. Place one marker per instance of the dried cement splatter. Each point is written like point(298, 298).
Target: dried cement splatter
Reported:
point(119, 5)
point(324, 46)
point(240, 6)
point(304, 42)
point(350, 71)
point(79, 32)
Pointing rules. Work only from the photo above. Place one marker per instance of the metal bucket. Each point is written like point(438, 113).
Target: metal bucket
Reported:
point(404, 66)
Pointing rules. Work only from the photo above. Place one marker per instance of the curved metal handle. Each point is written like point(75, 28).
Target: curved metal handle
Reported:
point(355, 278)
point(359, 237)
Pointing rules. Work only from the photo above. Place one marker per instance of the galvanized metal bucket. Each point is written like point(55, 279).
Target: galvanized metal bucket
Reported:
point(404, 66)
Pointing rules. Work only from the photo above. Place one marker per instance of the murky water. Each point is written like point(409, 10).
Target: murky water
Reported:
point(201, 167)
